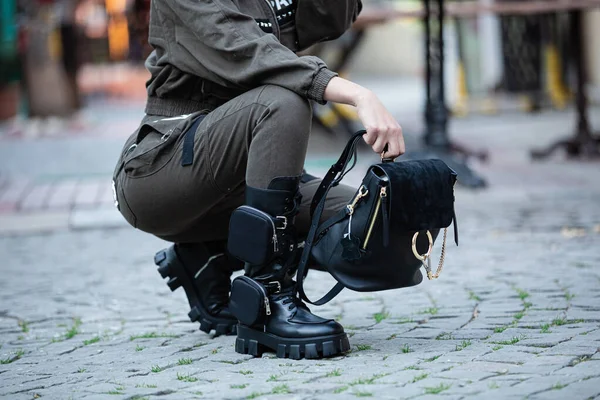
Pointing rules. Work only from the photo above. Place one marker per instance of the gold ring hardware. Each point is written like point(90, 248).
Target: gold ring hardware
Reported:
point(362, 192)
point(422, 257)
point(425, 259)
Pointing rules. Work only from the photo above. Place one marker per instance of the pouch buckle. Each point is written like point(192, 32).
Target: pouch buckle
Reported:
point(283, 220)
point(270, 285)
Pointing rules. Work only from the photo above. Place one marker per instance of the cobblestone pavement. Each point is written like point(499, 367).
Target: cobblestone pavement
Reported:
point(515, 313)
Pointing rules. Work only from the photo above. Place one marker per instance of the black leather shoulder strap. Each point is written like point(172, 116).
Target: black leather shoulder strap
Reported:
point(339, 166)
point(331, 179)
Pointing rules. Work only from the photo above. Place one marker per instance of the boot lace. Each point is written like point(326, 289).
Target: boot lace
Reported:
point(289, 297)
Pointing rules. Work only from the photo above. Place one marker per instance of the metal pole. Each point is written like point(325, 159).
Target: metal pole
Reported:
point(426, 22)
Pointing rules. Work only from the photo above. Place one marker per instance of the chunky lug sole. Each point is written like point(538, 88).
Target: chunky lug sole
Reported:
point(170, 267)
point(255, 343)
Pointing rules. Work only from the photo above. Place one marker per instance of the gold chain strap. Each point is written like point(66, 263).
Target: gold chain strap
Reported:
point(425, 259)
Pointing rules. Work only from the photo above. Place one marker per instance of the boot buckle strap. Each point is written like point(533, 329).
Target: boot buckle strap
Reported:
point(283, 220)
point(273, 287)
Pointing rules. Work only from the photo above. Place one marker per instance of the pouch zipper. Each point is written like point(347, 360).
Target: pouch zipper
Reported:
point(275, 244)
point(385, 215)
point(382, 195)
point(267, 306)
point(266, 296)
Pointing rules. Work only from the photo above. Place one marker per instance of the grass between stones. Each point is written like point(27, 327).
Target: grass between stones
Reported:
point(493, 385)
point(335, 372)
point(430, 310)
point(522, 294)
point(185, 361)
point(432, 358)
point(139, 348)
point(280, 389)
point(363, 347)
point(152, 335)
point(246, 372)
point(14, 358)
point(81, 370)
point(463, 345)
point(117, 390)
point(156, 369)
point(242, 386)
point(406, 349)
point(380, 316)
point(186, 378)
point(559, 321)
point(473, 296)
point(513, 340)
point(362, 394)
point(437, 389)
point(444, 336)
point(419, 378)
point(367, 381)
point(558, 386)
point(93, 340)
point(71, 332)
point(145, 385)
point(23, 325)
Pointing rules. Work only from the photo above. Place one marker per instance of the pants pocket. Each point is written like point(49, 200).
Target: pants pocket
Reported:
point(121, 203)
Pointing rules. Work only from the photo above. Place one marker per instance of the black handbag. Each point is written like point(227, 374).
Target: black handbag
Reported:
point(386, 233)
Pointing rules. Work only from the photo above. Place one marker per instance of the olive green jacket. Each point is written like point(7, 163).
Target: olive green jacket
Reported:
point(208, 51)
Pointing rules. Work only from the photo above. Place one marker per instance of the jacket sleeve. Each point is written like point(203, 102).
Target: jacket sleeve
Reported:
point(215, 40)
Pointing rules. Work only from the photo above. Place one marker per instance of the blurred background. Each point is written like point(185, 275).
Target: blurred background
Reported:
point(479, 84)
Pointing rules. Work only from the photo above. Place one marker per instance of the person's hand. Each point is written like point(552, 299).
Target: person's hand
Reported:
point(382, 129)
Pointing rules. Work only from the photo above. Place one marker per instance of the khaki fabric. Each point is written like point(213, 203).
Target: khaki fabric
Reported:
point(249, 140)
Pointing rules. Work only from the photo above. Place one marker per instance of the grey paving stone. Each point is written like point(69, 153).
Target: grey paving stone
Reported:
point(84, 313)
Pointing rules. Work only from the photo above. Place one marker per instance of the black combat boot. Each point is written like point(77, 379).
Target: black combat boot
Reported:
point(288, 327)
point(204, 271)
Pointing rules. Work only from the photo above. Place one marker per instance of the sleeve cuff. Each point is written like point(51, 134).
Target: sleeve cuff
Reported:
point(319, 83)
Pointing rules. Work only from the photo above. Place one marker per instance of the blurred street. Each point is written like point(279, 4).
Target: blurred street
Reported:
point(515, 313)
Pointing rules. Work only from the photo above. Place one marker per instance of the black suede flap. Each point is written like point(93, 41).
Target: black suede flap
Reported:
point(422, 193)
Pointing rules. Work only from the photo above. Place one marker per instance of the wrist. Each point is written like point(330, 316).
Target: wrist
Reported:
point(361, 96)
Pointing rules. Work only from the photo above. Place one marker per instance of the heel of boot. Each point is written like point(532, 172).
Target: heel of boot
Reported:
point(170, 267)
point(164, 261)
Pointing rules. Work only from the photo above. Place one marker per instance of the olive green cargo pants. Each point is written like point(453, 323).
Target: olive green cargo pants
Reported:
point(249, 140)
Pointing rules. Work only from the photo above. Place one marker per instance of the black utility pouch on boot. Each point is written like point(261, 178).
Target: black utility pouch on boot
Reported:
point(249, 301)
point(252, 236)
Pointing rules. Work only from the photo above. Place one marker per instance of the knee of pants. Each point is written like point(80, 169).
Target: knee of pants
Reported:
point(295, 110)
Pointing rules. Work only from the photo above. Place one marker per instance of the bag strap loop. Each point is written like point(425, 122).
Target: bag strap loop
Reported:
point(332, 178)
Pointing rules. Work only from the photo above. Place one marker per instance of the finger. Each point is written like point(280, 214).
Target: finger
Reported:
point(401, 145)
point(393, 150)
point(379, 145)
point(370, 137)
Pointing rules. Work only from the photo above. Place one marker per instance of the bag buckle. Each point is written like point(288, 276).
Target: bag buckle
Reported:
point(362, 192)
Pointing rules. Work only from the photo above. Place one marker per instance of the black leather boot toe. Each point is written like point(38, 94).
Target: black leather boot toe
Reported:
point(205, 277)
